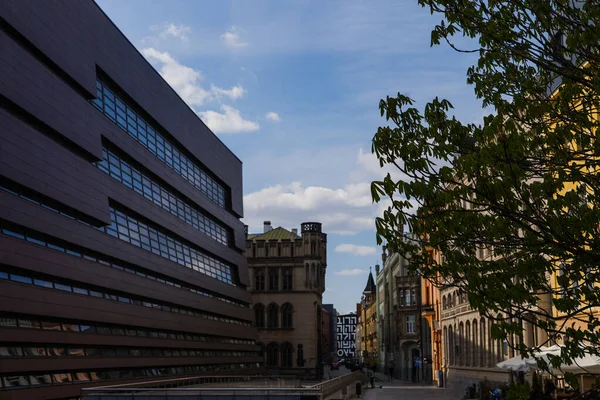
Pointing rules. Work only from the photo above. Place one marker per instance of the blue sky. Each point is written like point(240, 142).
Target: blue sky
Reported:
point(293, 87)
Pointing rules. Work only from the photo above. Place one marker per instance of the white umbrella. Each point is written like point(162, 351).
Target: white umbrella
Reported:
point(520, 364)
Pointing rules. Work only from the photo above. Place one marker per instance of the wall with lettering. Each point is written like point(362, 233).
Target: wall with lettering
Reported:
point(346, 335)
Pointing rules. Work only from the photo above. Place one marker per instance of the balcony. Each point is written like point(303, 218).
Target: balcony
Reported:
point(410, 280)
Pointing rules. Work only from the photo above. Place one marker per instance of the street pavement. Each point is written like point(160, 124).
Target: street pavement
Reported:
point(404, 391)
point(400, 390)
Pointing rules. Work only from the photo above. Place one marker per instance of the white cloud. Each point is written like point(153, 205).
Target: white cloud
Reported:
point(186, 82)
point(170, 29)
point(346, 210)
point(230, 121)
point(351, 272)
point(273, 116)
point(232, 37)
point(357, 250)
point(234, 93)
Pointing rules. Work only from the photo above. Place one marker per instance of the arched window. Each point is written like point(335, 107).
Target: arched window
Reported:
point(467, 344)
point(273, 316)
point(288, 280)
point(272, 354)
point(259, 279)
point(259, 315)
point(274, 279)
point(300, 356)
point(443, 302)
point(287, 353)
point(287, 316)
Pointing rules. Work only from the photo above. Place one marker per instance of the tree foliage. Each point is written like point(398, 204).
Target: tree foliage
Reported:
point(523, 185)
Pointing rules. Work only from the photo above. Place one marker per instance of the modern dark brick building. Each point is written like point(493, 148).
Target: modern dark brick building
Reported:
point(120, 235)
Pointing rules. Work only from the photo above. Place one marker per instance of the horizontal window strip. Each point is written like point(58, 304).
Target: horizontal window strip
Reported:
point(194, 258)
point(13, 320)
point(23, 380)
point(124, 115)
point(77, 251)
point(151, 238)
point(14, 350)
point(142, 183)
point(50, 282)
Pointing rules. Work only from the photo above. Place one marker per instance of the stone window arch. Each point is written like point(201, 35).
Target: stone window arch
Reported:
point(287, 316)
point(287, 354)
point(273, 316)
point(259, 279)
point(273, 354)
point(259, 315)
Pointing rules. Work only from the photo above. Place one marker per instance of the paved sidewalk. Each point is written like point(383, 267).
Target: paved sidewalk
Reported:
point(408, 392)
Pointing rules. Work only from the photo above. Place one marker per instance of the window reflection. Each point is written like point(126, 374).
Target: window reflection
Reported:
point(69, 326)
point(195, 263)
point(167, 246)
point(121, 170)
point(131, 122)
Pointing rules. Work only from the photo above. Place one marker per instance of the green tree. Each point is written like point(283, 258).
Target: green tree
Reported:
point(502, 185)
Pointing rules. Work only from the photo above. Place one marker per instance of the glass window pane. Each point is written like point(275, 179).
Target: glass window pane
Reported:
point(43, 283)
point(15, 381)
point(51, 326)
point(45, 379)
point(62, 378)
point(19, 278)
point(8, 322)
point(60, 286)
point(29, 323)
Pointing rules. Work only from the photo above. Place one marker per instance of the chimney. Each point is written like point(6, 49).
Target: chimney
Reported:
point(384, 255)
point(267, 225)
point(295, 231)
point(376, 269)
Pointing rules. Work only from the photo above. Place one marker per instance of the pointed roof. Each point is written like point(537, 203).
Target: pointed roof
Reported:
point(278, 233)
point(370, 288)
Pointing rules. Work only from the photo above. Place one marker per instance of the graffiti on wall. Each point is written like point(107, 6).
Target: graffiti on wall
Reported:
point(346, 335)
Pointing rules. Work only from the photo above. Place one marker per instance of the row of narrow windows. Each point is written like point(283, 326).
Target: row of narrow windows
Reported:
point(58, 350)
point(260, 282)
point(140, 181)
point(73, 250)
point(150, 137)
point(125, 226)
point(283, 355)
point(26, 277)
point(149, 237)
point(10, 320)
point(470, 345)
point(23, 381)
point(268, 317)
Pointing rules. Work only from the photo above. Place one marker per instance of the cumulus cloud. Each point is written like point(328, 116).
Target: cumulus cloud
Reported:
point(234, 93)
point(229, 121)
point(346, 210)
point(186, 82)
point(355, 249)
point(169, 29)
point(273, 116)
point(351, 272)
point(233, 37)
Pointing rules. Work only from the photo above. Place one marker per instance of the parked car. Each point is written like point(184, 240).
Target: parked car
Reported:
point(335, 365)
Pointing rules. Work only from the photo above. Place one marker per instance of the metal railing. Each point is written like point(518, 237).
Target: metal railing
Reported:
point(178, 393)
point(190, 387)
point(334, 385)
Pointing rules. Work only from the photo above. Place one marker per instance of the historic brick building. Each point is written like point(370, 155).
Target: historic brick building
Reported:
point(287, 271)
point(121, 244)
